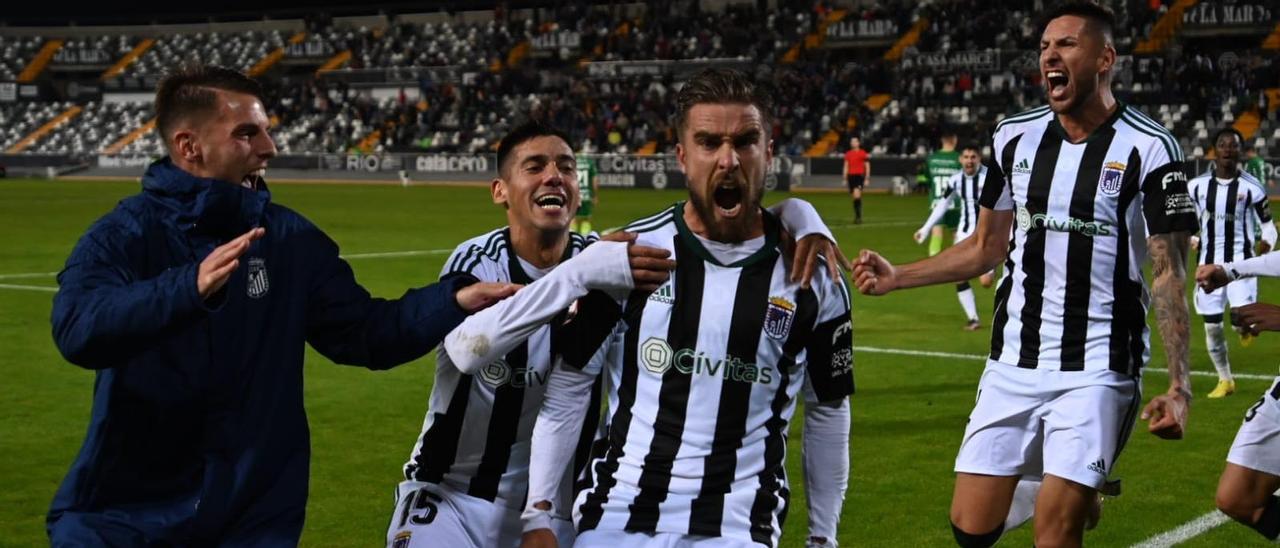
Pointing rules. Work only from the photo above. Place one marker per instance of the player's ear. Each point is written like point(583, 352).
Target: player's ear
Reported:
point(186, 145)
point(498, 189)
point(680, 156)
point(768, 153)
point(1107, 60)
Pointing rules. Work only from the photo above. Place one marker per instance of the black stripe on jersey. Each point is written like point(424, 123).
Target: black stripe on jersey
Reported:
point(1211, 206)
point(586, 440)
point(1075, 320)
point(460, 262)
point(772, 477)
point(989, 195)
point(440, 442)
point(1232, 209)
point(504, 417)
point(1033, 260)
point(750, 306)
point(1249, 240)
point(1129, 314)
point(592, 507)
point(673, 396)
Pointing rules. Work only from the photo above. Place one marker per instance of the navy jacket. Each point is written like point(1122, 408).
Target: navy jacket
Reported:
point(198, 433)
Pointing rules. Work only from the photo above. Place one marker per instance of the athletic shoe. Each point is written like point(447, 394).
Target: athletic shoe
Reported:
point(1225, 388)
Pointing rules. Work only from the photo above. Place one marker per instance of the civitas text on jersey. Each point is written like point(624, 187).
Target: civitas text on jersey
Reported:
point(1028, 222)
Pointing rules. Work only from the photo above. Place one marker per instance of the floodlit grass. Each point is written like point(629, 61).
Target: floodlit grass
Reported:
point(908, 415)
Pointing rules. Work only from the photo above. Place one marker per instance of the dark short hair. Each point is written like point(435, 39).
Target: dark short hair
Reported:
point(190, 91)
point(972, 146)
point(525, 132)
point(722, 85)
point(1226, 130)
point(1101, 17)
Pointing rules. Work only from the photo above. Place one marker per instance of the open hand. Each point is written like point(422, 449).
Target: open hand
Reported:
point(804, 260)
point(479, 296)
point(216, 269)
point(1256, 318)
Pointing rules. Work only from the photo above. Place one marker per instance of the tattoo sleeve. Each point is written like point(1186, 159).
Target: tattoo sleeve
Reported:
point(1168, 291)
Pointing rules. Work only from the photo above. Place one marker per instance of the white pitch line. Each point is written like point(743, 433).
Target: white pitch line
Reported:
point(29, 288)
point(389, 254)
point(1186, 531)
point(26, 275)
point(932, 354)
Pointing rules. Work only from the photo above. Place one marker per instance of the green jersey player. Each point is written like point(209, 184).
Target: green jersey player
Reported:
point(589, 192)
point(938, 167)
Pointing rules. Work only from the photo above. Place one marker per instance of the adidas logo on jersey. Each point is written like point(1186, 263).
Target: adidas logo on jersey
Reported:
point(1099, 466)
point(1023, 167)
point(663, 295)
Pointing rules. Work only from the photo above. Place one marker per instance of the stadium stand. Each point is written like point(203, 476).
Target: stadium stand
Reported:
point(890, 71)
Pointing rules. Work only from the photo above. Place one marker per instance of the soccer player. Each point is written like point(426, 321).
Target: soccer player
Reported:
point(857, 170)
point(1254, 164)
point(703, 373)
point(193, 301)
point(1077, 196)
point(938, 167)
point(464, 483)
point(962, 188)
point(589, 190)
point(1230, 203)
point(1246, 490)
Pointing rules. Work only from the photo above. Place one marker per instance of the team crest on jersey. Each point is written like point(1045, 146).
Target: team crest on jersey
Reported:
point(777, 319)
point(1112, 178)
point(258, 284)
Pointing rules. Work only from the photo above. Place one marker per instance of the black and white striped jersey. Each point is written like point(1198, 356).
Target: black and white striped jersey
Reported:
point(702, 377)
point(1073, 296)
point(965, 191)
point(475, 437)
point(1231, 213)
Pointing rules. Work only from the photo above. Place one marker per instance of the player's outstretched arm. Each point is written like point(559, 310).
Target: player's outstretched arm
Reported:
point(606, 265)
point(974, 256)
point(1167, 412)
point(935, 215)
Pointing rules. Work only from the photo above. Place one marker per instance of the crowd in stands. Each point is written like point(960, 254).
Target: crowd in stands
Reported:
point(819, 91)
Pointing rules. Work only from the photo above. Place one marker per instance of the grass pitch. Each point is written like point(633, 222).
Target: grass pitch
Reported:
point(908, 414)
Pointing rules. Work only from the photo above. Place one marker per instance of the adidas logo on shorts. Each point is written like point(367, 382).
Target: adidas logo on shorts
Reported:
point(1099, 466)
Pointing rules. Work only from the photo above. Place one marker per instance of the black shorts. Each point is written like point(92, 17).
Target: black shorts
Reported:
point(854, 181)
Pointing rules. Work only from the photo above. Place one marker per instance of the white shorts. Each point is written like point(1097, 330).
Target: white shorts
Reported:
point(623, 539)
point(962, 236)
point(428, 514)
point(1238, 293)
point(1032, 422)
point(1257, 445)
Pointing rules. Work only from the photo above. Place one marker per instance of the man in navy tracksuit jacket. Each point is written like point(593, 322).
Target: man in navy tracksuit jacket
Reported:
point(192, 301)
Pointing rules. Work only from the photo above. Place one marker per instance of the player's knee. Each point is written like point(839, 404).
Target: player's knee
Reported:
point(1233, 505)
point(966, 539)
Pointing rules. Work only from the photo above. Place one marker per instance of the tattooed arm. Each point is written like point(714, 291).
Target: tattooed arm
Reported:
point(1168, 412)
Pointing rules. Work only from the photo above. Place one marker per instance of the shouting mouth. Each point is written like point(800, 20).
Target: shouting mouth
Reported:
point(1057, 81)
point(728, 199)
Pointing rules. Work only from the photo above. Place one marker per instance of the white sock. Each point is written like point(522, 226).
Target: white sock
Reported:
point(1023, 507)
point(1217, 345)
point(968, 303)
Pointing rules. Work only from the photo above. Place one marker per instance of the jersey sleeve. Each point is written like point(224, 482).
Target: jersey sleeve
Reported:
point(1166, 201)
point(1262, 208)
point(829, 362)
point(997, 194)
